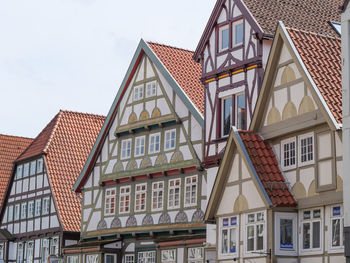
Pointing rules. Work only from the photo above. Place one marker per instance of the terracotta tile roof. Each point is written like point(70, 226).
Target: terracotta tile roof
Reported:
point(184, 70)
point(309, 15)
point(10, 148)
point(66, 142)
point(266, 166)
point(322, 58)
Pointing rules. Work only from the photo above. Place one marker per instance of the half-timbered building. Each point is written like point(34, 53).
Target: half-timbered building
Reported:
point(278, 193)
point(40, 212)
point(143, 187)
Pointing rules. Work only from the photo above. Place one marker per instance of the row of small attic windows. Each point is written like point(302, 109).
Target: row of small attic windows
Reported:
point(151, 90)
point(30, 168)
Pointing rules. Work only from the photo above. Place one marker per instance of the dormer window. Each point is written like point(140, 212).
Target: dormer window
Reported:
point(224, 36)
point(138, 93)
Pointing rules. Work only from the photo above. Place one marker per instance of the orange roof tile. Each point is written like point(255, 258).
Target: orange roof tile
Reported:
point(322, 58)
point(10, 148)
point(266, 166)
point(184, 70)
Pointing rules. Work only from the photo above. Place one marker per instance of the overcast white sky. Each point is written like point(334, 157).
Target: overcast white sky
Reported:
point(73, 54)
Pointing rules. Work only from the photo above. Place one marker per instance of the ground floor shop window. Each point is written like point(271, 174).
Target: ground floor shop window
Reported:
point(73, 259)
point(286, 233)
point(110, 258)
point(312, 229)
point(195, 255)
point(337, 227)
point(92, 258)
point(129, 259)
point(255, 232)
point(228, 236)
point(146, 257)
point(168, 256)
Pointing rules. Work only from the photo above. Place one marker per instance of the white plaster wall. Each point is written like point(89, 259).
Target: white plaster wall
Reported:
point(297, 94)
point(324, 172)
point(180, 108)
point(285, 55)
point(245, 170)
point(199, 150)
point(266, 51)
point(149, 70)
point(224, 82)
point(234, 169)
point(252, 195)
point(211, 175)
point(281, 99)
point(338, 144)
point(227, 202)
point(307, 175)
point(290, 177)
point(180, 255)
point(54, 221)
point(220, 60)
point(323, 143)
point(222, 16)
point(140, 74)
point(96, 217)
point(311, 259)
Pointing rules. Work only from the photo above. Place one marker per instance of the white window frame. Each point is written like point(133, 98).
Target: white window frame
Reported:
point(232, 224)
point(125, 151)
point(31, 209)
point(113, 255)
point(122, 196)
point(92, 258)
point(46, 205)
point(150, 89)
point(284, 142)
point(141, 197)
point(157, 196)
point(2, 251)
point(17, 212)
point(311, 250)
point(138, 93)
point(340, 217)
point(110, 196)
point(32, 168)
point(172, 193)
point(302, 137)
point(45, 249)
point(286, 251)
point(26, 170)
point(55, 246)
point(140, 145)
point(221, 29)
point(154, 144)
point(234, 26)
point(190, 184)
point(19, 171)
point(149, 256)
point(252, 253)
point(10, 213)
point(236, 110)
point(167, 145)
point(198, 257)
point(20, 253)
point(223, 117)
point(30, 256)
point(169, 252)
point(73, 259)
point(24, 210)
point(39, 165)
point(37, 209)
point(129, 258)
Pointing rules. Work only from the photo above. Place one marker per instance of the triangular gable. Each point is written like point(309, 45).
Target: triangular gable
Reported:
point(143, 48)
point(283, 39)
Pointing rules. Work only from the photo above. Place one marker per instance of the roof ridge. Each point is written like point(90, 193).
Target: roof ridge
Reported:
point(82, 113)
point(15, 136)
point(314, 33)
point(53, 130)
point(165, 45)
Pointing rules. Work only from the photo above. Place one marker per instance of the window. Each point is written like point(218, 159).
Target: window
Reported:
point(157, 196)
point(306, 149)
point(140, 197)
point(154, 143)
point(255, 228)
point(195, 255)
point(129, 259)
point(46, 205)
point(140, 146)
point(237, 33)
point(25, 169)
point(226, 115)
point(24, 211)
point(30, 251)
point(32, 167)
point(110, 201)
point(92, 258)
point(2, 249)
point(151, 89)
point(286, 233)
point(124, 202)
point(138, 93)
point(109, 258)
point(174, 193)
point(55, 246)
point(170, 137)
point(39, 166)
point(30, 209)
point(146, 257)
point(229, 234)
point(288, 155)
point(224, 35)
point(72, 259)
point(44, 249)
point(37, 207)
point(126, 149)
point(19, 172)
point(169, 256)
point(191, 190)
point(10, 213)
point(19, 258)
point(17, 211)
point(311, 222)
point(337, 228)
point(240, 112)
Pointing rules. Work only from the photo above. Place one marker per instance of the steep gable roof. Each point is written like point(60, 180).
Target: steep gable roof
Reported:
point(10, 148)
point(165, 59)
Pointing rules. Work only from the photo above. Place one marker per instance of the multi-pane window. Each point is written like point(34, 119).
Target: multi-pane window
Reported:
point(288, 153)
point(157, 195)
point(191, 190)
point(337, 225)
point(138, 93)
point(32, 167)
point(226, 113)
point(195, 255)
point(168, 256)
point(237, 33)
point(10, 213)
point(240, 111)
point(39, 166)
point(19, 171)
point(37, 207)
point(20, 250)
point(23, 210)
point(46, 205)
point(140, 146)
point(229, 234)
point(255, 232)
point(30, 251)
point(306, 149)
point(154, 143)
point(126, 149)
point(92, 258)
point(170, 137)
point(110, 201)
point(54, 246)
point(109, 258)
point(72, 259)
point(174, 193)
point(124, 199)
point(17, 211)
point(129, 258)
point(224, 36)
point(311, 223)
point(44, 249)
point(25, 169)
point(140, 197)
point(30, 209)
point(146, 257)
point(286, 233)
point(151, 89)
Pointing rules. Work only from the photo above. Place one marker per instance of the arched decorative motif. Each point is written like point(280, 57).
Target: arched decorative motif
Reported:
point(312, 189)
point(131, 221)
point(299, 190)
point(181, 217)
point(146, 162)
point(156, 113)
point(273, 116)
point(147, 220)
point(118, 167)
point(288, 75)
point(164, 219)
point(198, 216)
point(306, 105)
point(101, 225)
point(132, 164)
point(116, 223)
point(132, 118)
point(176, 157)
point(241, 204)
point(161, 159)
point(289, 111)
point(144, 115)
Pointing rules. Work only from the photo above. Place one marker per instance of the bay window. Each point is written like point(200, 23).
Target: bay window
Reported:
point(312, 229)
point(228, 237)
point(255, 232)
point(286, 233)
